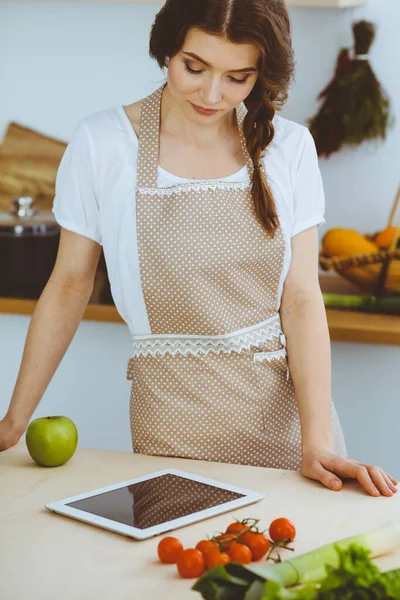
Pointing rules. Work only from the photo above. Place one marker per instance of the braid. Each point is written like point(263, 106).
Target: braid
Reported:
point(259, 131)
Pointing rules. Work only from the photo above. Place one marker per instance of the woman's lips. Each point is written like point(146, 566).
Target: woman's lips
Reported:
point(204, 111)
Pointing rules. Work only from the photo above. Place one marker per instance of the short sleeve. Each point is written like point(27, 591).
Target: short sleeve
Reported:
point(308, 195)
point(75, 206)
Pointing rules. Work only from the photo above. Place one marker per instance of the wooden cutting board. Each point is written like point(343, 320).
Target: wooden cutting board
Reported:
point(29, 161)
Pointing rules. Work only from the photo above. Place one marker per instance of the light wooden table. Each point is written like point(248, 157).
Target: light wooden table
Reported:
point(48, 556)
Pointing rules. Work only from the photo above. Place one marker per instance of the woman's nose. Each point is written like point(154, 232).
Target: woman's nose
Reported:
point(211, 92)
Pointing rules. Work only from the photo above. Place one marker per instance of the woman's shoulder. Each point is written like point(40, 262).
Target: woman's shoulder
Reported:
point(288, 132)
point(133, 112)
point(290, 141)
point(111, 119)
point(110, 133)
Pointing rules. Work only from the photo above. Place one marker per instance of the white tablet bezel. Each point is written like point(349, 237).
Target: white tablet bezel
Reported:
point(60, 506)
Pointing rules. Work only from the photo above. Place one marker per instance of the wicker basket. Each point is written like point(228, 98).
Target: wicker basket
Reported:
point(377, 272)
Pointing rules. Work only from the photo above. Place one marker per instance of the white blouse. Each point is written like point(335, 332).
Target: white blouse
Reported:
point(96, 185)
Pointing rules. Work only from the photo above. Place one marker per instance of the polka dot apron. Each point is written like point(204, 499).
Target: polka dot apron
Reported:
point(211, 381)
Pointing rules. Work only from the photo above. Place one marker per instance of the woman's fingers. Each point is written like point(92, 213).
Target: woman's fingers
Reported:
point(374, 480)
point(330, 468)
point(389, 481)
point(361, 473)
point(319, 473)
point(382, 483)
point(345, 467)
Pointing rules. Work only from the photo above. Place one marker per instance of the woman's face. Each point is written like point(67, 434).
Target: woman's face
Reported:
point(210, 76)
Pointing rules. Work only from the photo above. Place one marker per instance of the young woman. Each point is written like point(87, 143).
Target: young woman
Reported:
point(207, 205)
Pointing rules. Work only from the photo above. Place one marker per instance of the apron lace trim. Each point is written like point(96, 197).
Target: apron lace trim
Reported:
point(201, 186)
point(195, 345)
point(268, 356)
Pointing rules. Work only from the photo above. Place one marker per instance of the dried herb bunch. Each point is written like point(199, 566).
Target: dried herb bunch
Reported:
point(355, 107)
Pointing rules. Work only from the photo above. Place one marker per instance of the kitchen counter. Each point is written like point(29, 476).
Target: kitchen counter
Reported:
point(47, 556)
point(344, 325)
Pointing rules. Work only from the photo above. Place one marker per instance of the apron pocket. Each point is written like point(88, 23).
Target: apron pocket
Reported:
point(277, 358)
point(273, 376)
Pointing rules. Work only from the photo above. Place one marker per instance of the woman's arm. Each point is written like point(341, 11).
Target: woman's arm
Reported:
point(305, 325)
point(306, 329)
point(53, 325)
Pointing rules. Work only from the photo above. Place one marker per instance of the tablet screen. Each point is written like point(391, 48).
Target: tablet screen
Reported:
point(155, 501)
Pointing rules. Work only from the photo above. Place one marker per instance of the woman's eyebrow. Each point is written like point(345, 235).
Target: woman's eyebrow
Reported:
point(199, 59)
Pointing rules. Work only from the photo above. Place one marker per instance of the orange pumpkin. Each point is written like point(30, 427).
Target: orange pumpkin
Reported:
point(345, 242)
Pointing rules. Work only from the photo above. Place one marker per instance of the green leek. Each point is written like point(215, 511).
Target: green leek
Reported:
point(233, 581)
point(389, 304)
point(311, 566)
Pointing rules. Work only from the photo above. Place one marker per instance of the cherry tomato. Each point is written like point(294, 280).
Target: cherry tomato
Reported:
point(169, 550)
point(282, 529)
point(215, 558)
point(257, 542)
point(239, 553)
point(191, 563)
point(236, 528)
point(225, 540)
point(207, 546)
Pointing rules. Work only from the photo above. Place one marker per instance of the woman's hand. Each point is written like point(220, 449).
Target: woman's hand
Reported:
point(327, 467)
point(9, 434)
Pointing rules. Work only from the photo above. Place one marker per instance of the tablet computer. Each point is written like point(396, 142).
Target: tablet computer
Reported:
point(155, 503)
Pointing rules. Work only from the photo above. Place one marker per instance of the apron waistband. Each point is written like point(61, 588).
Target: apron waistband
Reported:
point(195, 345)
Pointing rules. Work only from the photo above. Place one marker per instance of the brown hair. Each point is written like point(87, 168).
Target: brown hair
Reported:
point(264, 23)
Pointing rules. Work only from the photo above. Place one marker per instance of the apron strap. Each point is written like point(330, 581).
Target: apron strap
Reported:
point(149, 140)
point(241, 112)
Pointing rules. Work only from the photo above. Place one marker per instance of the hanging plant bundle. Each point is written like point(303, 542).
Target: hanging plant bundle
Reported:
point(327, 125)
point(355, 107)
point(366, 114)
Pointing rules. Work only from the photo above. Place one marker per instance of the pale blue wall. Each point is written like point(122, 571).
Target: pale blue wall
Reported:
point(62, 61)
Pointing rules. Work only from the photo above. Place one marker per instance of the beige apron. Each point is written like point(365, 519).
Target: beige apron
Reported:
point(211, 381)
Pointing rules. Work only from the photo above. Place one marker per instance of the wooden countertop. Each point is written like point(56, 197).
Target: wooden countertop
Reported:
point(59, 557)
point(94, 312)
point(344, 326)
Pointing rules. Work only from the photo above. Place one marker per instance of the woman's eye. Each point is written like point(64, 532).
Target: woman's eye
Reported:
point(239, 81)
point(199, 72)
point(192, 71)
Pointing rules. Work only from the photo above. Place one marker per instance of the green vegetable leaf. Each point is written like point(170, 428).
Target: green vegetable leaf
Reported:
point(347, 574)
point(219, 584)
point(392, 581)
point(355, 578)
point(274, 591)
point(256, 591)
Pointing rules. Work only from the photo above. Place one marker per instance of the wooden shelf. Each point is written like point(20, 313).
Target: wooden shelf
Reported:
point(94, 312)
point(344, 326)
point(363, 328)
point(305, 3)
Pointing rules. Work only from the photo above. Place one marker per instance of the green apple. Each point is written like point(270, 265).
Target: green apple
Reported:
point(51, 441)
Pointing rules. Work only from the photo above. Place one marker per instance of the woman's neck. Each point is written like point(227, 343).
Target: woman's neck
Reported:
point(174, 123)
